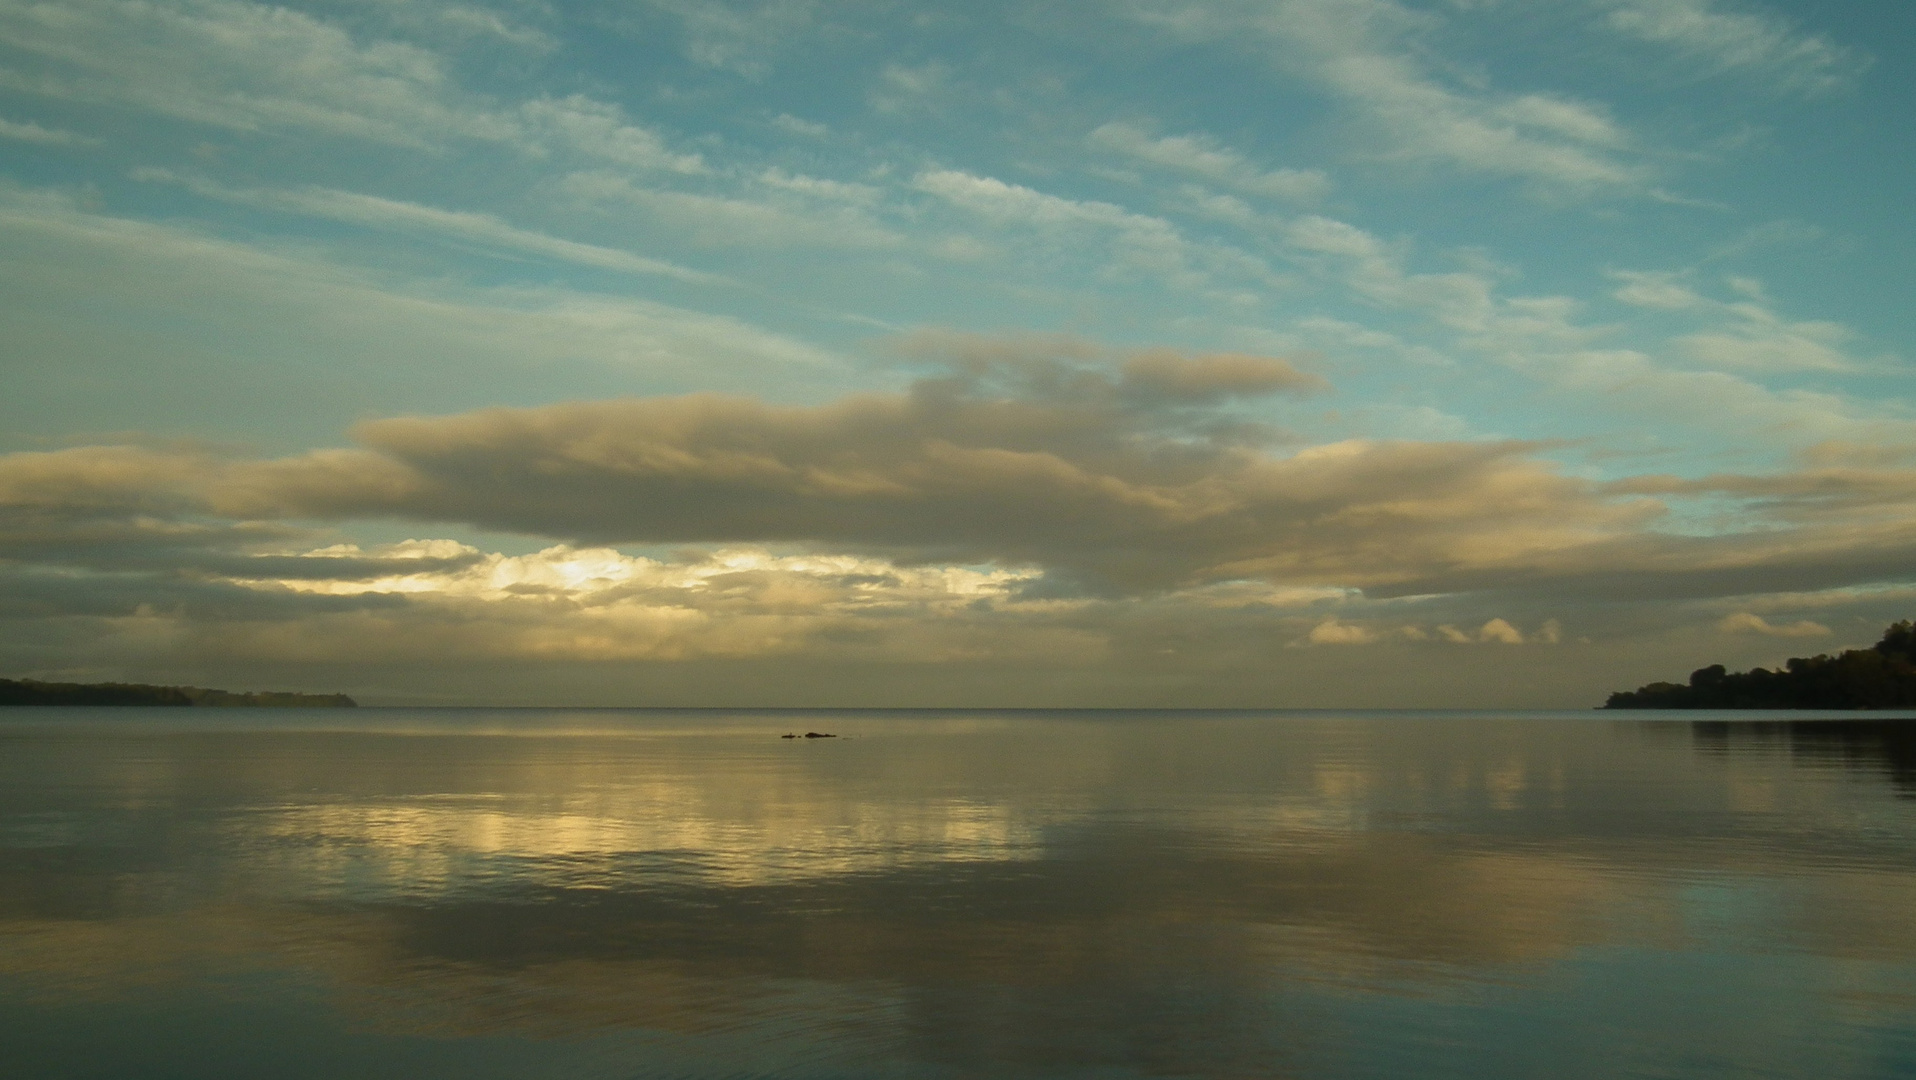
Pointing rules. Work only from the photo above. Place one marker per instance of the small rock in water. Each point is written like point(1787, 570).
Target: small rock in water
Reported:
point(788, 736)
point(817, 735)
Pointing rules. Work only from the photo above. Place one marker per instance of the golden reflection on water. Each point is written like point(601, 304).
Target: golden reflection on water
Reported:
point(1168, 895)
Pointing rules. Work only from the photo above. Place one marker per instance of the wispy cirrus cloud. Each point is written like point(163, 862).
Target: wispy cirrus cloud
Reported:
point(377, 329)
point(739, 35)
point(1366, 54)
point(1138, 244)
point(780, 211)
point(378, 212)
point(1203, 156)
point(1746, 334)
point(253, 67)
point(1732, 38)
point(28, 131)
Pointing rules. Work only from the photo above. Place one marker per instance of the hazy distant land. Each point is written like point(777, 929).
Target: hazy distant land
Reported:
point(1880, 677)
point(35, 692)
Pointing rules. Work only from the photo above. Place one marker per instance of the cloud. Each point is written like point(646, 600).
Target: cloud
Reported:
point(810, 129)
point(354, 320)
point(1370, 54)
point(1203, 156)
point(377, 212)
point(137, 559)
point(1545, 338)
point(1501, 632)
point(1001, 201)
point(1033, 461)
point(945, 476)
point(1740, 41)
point(236, 65)
point(1744, 622)
point(1748, 333)
point(600, 130)
point(1333, 632)
point(1656, 290)
point(739, 35)
point(1140, 243)
point(1842, 491)
point(255, 67)
point(28, 131)
point(1758, 341)
point(902, 87)
point(599, 604)
point(789, 211)
point(1019, 458)
point(1170, 375)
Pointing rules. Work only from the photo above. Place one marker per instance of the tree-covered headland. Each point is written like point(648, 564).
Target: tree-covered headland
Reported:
point(1880, 677)
point(34, 692)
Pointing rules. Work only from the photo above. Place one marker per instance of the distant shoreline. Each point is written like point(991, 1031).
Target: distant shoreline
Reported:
point(32, 692)
point(1880, 677)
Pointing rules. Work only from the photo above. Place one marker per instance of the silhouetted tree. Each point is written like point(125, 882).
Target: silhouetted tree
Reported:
point(1880, 677)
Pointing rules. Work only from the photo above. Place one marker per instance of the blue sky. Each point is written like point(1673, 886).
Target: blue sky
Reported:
point(1129, 352)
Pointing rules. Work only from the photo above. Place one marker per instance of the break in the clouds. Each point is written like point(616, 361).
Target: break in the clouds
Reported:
point(710, 351)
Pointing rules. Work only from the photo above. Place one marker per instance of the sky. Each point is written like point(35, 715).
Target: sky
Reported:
point(1111, 353)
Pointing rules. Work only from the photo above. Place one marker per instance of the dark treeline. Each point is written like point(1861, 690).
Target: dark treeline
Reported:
point(34, 692)
point(1880, 677)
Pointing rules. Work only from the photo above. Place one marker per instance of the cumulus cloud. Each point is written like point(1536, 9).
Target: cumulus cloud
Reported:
point(1020, 458)
point(1333, 632)
point(1109, 471)
point(1501, 632)
point(139, 559)
point(946, 472)
point(1497, 631)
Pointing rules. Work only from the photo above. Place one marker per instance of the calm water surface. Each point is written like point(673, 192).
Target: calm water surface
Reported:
point(472, 893)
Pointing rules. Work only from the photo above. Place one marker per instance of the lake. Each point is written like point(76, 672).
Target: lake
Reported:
point(366, 893)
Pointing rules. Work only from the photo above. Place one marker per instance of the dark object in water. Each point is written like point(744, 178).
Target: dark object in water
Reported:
point(816, 735)
point(788, 736)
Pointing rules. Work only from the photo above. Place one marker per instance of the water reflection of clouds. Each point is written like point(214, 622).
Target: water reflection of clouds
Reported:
point(647, 836)
point(1170, 899)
